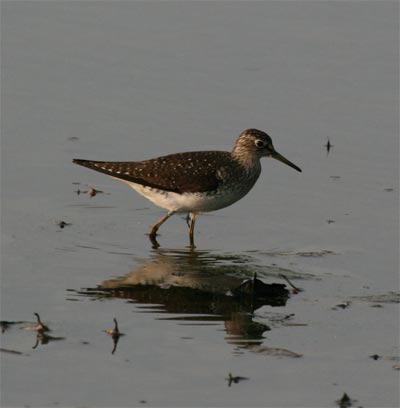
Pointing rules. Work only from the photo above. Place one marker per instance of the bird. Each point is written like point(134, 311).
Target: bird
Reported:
point(195, 182)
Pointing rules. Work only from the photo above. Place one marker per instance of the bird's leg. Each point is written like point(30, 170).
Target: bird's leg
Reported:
point(157, 225)
point(193, 217)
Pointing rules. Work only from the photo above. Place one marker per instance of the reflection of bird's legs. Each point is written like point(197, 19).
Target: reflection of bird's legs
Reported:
point(192, 217)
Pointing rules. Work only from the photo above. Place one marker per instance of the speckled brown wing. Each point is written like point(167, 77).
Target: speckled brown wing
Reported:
point(180, 173)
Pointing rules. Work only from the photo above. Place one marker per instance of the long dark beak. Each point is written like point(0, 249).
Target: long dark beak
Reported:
point(278, 156)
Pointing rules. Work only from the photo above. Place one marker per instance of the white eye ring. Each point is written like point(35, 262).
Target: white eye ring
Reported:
point(259, 143)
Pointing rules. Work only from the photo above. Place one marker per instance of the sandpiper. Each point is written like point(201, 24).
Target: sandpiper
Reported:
point(195, 182)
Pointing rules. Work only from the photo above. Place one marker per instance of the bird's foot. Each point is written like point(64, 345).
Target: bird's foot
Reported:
point(153, 240)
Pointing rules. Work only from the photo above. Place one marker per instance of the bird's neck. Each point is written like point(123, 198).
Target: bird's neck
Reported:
point(249, 162)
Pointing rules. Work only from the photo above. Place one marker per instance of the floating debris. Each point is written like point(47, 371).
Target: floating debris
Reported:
point(330, 221)
point(396, 367)
point(343, 305)
point(234, 379)
point(387, 358)
point(115, 334)
point(388, 189)
point(5, 325)
point(335, 177)
point(328, 146)
point(40, 327)
point(43, 338)
point(115, 331)
point(345, 401)
point(63, 224)
point(91, 192)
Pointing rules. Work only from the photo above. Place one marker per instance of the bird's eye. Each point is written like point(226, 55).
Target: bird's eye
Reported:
point(260, 143)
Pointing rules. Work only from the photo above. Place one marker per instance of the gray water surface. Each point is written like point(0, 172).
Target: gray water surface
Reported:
point(134, 80)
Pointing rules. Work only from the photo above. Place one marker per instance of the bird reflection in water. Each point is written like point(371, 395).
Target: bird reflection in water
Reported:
point(200, 287)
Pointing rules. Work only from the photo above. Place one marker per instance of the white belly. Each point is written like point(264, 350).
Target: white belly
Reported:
point(190, 202)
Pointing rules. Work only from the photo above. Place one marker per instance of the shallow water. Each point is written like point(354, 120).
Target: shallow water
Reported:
point(129, 81)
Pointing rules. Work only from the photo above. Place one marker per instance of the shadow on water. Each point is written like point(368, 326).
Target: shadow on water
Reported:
point(200, 287)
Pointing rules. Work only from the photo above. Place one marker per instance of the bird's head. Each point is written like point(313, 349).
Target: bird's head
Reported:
point(253, 144)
